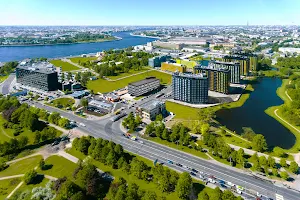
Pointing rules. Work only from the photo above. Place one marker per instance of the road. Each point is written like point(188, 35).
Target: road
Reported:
point(6, 84)
point(111, 131)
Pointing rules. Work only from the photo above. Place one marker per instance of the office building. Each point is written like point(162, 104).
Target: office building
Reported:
point(190, 88)
point(157, 60)
point(190, 64)
point(41, 75)
point(151, 109)
point(233, 67)
point(172, 67)
point(218, 78)
point(144, 86)
point(243, 60)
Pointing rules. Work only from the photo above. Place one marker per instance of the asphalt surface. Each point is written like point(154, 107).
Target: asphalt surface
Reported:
point(6, 84)
point(111, 131)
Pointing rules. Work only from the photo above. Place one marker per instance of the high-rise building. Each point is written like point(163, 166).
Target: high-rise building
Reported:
point(234, 68)
point(172, 67)
point(144, 86)
point(190, 64)
point(41, 75)
point(218, 78)
point(243, 60)
point(190, 88)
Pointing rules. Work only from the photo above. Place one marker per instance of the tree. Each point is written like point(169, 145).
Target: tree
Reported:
point(216, 194)
point(284, 175)
point(240, 156)
point(263, 160)
point(2, 164)
point(203, 196)
point(78, 77)
point(271, 162)
point(206, 114)
point(159, 118)
point(30, 177)
point(54, 118)
point(275, 172)
point(42, 164)
point(204, 128)
point(283, 162)
point(149, 195)
point(111, 158)
point(278, 151)
point(294, 167)
point(64, 122)
point(184, 185)
point(69, 76)
point(84, 102)
point(228, 195)
point(165, 134)
point(259, 143)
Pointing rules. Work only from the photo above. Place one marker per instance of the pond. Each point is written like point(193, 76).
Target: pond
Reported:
point(252, 114)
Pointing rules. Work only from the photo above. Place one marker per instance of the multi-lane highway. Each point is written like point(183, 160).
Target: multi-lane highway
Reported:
point(111, 131)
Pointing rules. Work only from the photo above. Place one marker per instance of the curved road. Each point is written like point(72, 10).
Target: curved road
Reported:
point(111, 131)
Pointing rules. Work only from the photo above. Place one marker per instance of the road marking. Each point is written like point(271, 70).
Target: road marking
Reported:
point(279, 197)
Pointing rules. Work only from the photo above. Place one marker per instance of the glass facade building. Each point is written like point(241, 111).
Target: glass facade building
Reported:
point(41, 76)
point(190, 88)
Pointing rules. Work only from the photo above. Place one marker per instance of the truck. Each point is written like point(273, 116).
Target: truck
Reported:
point(133, 138)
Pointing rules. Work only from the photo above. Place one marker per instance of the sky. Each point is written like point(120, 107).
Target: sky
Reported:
point(149, 12)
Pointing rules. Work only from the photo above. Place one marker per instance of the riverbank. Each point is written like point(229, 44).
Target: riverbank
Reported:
point(145, 36)
point(275, 112)
point(83, 42)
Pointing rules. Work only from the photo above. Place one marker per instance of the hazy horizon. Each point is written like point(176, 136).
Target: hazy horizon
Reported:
point(145, 13)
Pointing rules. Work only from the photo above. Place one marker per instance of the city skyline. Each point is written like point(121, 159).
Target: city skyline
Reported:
point(133, 12)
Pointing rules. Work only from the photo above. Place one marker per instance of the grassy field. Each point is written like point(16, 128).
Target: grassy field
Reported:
point(7, 186)
point(64, 102)
point(58, 167)
point(179, 147)
point(149, 186)
point(189, 113)
point(65, 66)
point(3, 78)
point(28, 189)
point(271, 111)
point(131, 72)
point(103, 86)
point(7, 134)
point(82, 59)
point(21, 167)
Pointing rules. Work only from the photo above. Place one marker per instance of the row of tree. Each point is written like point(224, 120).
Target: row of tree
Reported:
point(113, 155)
point(131, 122)
point(129, 60)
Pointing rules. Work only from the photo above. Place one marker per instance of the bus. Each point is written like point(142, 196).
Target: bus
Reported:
point(159, 95)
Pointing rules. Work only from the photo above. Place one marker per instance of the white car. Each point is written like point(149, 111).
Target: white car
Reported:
point(82, 124)
point(211, 180)
point(239, 191)
point(141, 142)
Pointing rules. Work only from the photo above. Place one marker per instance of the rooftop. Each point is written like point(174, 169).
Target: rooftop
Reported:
point(42, 67)
point(188, 75)
point(145, 81)
point(151, 104)
point(225, 63)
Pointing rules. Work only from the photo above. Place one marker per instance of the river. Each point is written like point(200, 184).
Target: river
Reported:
point(54, 51)
point(252, 114)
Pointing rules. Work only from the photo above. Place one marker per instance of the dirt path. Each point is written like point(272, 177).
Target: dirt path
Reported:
point(23, 158)
point(16, 188)
point(4, 133)
point(11, 177)
point(118, 79)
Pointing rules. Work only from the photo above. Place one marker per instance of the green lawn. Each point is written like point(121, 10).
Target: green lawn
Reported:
point(82, 59)
point(65, 66)
point(149, 186)
point(190, 113)
point(7, 186)
point(58, 167)
point(7, 134)
point(28, 189)
point(3, 78)
point(270, 111)
point(131, 72)
point(179, 147)
point(21, 167)
point(103, 86)
point(63, 102)
point(138, 98)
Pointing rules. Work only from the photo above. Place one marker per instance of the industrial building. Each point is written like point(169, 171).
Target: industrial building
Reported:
point(190, 88)
point(41, 75)
point(144, 86)
point(157, 60)
point(233, 67)
point(172, 67)
point(151, 109)
point(218, 78)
